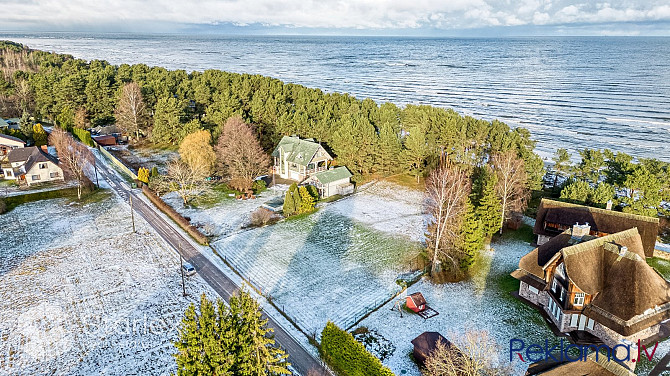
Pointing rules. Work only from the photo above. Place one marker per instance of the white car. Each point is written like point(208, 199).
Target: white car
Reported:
point(188, 269)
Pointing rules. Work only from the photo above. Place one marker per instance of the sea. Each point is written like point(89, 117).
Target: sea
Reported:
point(570, 92)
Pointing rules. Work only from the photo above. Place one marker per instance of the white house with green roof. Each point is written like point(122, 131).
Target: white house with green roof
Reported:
point(336, 181)
point(297, 159)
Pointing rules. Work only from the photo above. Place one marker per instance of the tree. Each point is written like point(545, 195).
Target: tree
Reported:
point(81, 118)
point(306, 200)
point(447, 189)
point(131, 111)
point(189, 182)
point(289, 208)
point(644, 192)
point(196, 151)
point(416, 151)
point(473, 353)
point(602, 194)
point(143, 175)
point(512, 184)
point(389, 144)
point(25, 125)
point(220, 340)
point(167, 121)
point(354, 143)
point(489, 208)
point(65, 118)
point(472, 237)
point(39, 135)
point(591, 165)
point(73, 157)
point(240, 154)
point(561, 164)
point(577, 191)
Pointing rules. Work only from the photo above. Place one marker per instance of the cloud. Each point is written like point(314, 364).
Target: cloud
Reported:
point(326, 14)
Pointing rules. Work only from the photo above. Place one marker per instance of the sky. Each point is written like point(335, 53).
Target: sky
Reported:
point(346, 17)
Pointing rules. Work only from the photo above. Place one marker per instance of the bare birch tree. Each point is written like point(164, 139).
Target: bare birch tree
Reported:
point(73, 157)
point(188, 181)
point(512, 185)
point(473, 353)
point(240, 154)
point(131, 112)
point(447, 188)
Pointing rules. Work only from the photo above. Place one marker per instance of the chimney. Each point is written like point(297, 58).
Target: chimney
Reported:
point(579, 231)
point(609, 205)
point(44, 149)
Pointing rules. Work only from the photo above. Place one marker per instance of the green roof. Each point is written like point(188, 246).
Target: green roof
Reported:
point(296, 150)
point(3, 123)
point(329, 176)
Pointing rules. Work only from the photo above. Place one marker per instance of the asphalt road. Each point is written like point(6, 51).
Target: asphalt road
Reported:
point(301, 360)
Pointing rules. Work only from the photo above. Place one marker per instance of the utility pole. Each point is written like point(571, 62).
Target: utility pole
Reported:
point(181, 261)
point(95, 167)
point(132, 215)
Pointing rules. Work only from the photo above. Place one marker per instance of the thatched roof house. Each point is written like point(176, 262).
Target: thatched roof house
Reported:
point(591, 367)
point(596, 281)
point(554, 217)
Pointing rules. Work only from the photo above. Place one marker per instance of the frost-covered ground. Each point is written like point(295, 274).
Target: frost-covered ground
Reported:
point(80, 294)
point(225, 217)
point(337, 264)
point(144, 157)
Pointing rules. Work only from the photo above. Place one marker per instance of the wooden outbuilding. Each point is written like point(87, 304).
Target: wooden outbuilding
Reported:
point(425, 344)
point(416, 302)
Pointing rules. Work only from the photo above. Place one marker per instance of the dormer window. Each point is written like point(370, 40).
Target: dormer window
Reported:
point(43, 166)
point(560, 270)
point(579, 299)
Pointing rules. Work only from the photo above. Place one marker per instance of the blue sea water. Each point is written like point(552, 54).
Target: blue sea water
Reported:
point(572, 92)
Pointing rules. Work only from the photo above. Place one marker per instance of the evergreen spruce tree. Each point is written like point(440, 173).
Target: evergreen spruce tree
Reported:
point(189, 345)
point(489, 207)
point(416, 151)
point(472, 235)
point(289, 204)
point(25, 125)
point(297, 201)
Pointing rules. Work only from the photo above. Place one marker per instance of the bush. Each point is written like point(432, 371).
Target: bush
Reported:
point(84, 136)
point(347, 356)
point(3, 206)
point(259, 186)
point(181, 221)
point(261, 217)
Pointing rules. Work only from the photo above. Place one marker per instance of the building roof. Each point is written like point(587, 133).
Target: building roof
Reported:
point(10, 138)
point(3, 123)
point(426, 343)
point(417, 298)
point(629, 295)
point(335, 174)
point(20, 154)
point(297, 151)
point(601, 220)
point(30, 156)
point(591, 367)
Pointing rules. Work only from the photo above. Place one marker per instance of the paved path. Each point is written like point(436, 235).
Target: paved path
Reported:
point(301, 360)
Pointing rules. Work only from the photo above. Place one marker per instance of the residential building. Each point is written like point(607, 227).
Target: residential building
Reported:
point(296, 159)
point(8, 143)
point(592, 366)
point(31, 166)
point(554, 217)
point(335, 181)
point(596, 289)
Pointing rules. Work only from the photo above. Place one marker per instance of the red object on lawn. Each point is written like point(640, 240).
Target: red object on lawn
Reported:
point(416, 302)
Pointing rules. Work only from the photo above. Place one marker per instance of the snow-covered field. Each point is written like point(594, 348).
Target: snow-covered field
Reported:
point(80, 294)
point(337, 264)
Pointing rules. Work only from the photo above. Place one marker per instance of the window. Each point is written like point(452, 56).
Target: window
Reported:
point(533, 289)
point(9, 172)
point(562, 295)
point(554, 285)
point(579, 299)
point(54, 175)
point(574, 320)
point(35, 177)
point(43, 166)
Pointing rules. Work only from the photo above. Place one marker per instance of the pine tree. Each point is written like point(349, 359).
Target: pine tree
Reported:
point(306, 200)
point(189, 345)
point(25, 125)
point(416, 151)
point(472, 235)
point(489, 208)
point(389, 145)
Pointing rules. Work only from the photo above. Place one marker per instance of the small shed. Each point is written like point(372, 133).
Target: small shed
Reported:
point(335, 181)
point(426, 344)
point(416, 302)
point(107, 140)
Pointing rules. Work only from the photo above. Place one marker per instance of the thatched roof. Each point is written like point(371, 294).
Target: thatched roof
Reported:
point(426, 343)
point(629, 295)
point(590, 367)
point(601, 220)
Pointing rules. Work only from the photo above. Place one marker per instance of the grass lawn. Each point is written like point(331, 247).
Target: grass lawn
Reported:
point(408, 181)
point(661, 265)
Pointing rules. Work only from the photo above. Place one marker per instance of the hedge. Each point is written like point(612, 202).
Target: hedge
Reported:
point(181, 221)
point(84, 136)
point(348, 357)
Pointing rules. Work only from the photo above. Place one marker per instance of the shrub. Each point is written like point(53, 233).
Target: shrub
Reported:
point(3, 206)
point(181, 221)
point(259, 186)
point(261, 217)
point(84, 136)
point(347, 356)
point(143, 175)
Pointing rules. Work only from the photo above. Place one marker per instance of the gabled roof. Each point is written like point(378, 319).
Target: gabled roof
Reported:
point(298, 151)
point(593, 366)
point(629, 295)
point(10, 138)
point(30, 156)
point(607, 221)
point(335, 174)
point(20, 154)
point(418, 299)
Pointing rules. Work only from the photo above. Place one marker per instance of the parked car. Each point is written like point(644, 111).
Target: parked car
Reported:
point(188, 269)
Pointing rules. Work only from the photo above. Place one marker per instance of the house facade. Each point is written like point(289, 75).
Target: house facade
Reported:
point(596, 289)
point(335, 181)
point(554, 217)
point(9, 143)
point(31, 166)
point(297, 159)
